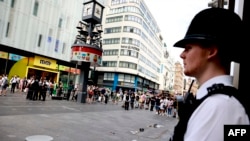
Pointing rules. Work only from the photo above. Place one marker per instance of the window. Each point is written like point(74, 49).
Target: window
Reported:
point(60, 23)
point(63, 48)
point(132, 53)
point(7, 30)
point(116, 2)
point(124, 64)
point(113, 52)
point(35, 10)
point(39, 40)
point(50, 35)
point(12, 3)
point(121, 77)
point(134, 1)
point(114, 19)
point(112, 30)
point(57, 46)
point(133, 19)
point(139, 81)
point(108, 76)
point(127, 78)
point(131, 41)
point(111, 41)
point(109, 63)
point(132, 30)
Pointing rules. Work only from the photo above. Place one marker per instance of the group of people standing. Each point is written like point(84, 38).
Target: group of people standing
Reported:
point(166, 106)
point(15, 83)
point(163, 105)
point(37, 89)
point(98, 94)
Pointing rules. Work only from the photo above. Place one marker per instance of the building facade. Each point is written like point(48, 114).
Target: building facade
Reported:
point(132, 47)
point(168, 72)
point(36, 38)
point(178, 78)
point(187, 85)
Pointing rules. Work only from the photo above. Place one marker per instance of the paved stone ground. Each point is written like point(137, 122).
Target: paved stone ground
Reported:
point(71, 121)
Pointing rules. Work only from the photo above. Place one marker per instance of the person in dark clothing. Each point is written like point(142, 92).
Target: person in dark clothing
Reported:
point(30, 89)
point(157, 104)
point(137, 97)
point(103, 91)
point(42, 89)
point(127, 100)
point(70, 89)
point(35, 88)
point(106, 98)
point(25, 83)
point(175, 108)
point(148, 99)
point(132, 100)
point(95, 98)
point(152, 103)
point(59, 89)
point(111, 94)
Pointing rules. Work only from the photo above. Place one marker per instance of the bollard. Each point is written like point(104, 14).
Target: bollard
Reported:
point(39, 138)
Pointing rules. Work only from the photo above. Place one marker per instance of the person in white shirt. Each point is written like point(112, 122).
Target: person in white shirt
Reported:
point(4, 85)
point(169, 106)
point(13, 82)
point(163, 103)
point(209, 47)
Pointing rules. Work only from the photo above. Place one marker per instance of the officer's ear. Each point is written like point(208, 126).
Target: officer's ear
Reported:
point(212, 51)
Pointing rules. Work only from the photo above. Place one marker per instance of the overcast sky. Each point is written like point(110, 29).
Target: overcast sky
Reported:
point(173, 18)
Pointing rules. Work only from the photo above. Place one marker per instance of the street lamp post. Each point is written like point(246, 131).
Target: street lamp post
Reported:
point(217, 3)
point(87, 47)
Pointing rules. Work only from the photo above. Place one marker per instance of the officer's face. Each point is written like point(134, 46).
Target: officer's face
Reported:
point(195, 59)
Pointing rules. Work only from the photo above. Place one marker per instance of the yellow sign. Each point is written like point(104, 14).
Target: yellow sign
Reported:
point(3, 55)
point(45, 62)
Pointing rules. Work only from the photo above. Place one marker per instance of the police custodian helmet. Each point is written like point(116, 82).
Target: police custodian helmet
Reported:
point(216, 26)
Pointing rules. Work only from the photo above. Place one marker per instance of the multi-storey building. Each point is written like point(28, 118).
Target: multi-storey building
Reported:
point(36, 38)
point(187, 84)
point(168, 72)
point(178, 78)
point(132, 47)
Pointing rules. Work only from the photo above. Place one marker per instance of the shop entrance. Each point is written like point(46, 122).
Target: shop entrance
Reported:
point(42, 73)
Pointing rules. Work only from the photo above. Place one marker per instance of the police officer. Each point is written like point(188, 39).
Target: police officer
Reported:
point(211, 42)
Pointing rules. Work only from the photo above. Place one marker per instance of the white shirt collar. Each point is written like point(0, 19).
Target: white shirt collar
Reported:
point(224, 79)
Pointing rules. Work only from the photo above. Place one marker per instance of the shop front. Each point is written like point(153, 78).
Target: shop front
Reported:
point(3, 61)
point(26, 64)
point(126, 86)
point(13, 64)
point(42, 67)
point(68, 74)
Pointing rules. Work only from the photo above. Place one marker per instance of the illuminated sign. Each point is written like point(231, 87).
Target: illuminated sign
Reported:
point(86, 54)
point(3, 55)
point(15, 57)
point(45, 62)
